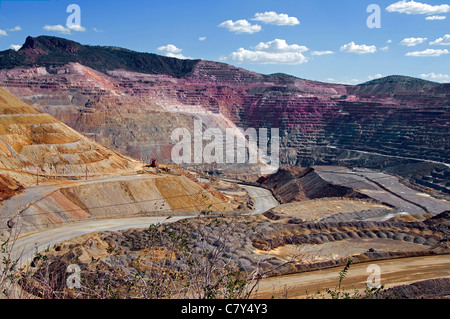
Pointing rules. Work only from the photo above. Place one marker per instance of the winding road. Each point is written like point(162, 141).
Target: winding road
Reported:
point(25, 246)
point(393, 272)
point(262, 198)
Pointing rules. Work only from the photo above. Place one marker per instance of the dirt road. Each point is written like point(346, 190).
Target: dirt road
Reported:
point(25, 247)
point(393, 272)
point(262, 198)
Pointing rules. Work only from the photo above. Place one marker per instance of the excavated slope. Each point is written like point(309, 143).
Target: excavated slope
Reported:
point(51, 175)
point(32, 142)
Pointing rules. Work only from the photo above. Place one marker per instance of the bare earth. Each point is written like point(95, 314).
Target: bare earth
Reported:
point(394, 272)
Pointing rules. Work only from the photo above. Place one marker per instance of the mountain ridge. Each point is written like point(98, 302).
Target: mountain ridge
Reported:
point(47, 50)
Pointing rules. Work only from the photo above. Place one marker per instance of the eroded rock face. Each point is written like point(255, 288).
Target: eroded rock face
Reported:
point(395, 124)
point(32, 142)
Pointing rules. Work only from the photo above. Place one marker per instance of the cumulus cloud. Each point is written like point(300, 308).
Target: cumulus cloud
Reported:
point(437, 77)
point(411, 42)
point(272, 52)
point(321, 52)
point(76, 27)
point(3, 33)
point(385, 49)
point(57, 28)
point(15, 47)
point(427, 53)
point(16, 28)
point(172, 51)
point(413, 7)
point(202, 38)
point(445, 40)
point(240, 26)
point(272, 17)
point(279, 45)
point(358, 48)
point(64, 29)
point(436, 18)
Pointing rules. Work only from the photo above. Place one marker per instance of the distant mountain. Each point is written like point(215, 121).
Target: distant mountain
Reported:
point(395, 84)
point(46, 50)
point(396, 79)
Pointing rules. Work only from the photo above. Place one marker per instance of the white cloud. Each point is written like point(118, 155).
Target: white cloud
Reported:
point(389, 41)
point(272, 52)
point(358, 49)
point(385, 49)
point(428, 53)
point(411, 42)
point(64, 29)
point(436, 18)
point(97, 30)
point(412, 7)
point(376, 76)
point(330, 80)
point(170, 48)
point(172, 51)
point(437, 77)
point(76, 27)
point(15, 47)
point(3, 33)
point(321, 52)
point(16, 28)
point(57, 28)
point(272, 17)
point(279, 45)
point(202, 38)
point(240, 26)
point(445, 40)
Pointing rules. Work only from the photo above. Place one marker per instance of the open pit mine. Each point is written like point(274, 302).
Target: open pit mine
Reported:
point(87, 175)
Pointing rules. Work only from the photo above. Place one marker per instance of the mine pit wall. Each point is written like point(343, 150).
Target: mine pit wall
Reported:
point(312, 117)
point(140, 196)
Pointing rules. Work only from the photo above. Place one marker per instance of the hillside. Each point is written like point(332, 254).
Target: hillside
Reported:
point(46, 50)
point(396, 124)
point(51, 175)
point(33, 142)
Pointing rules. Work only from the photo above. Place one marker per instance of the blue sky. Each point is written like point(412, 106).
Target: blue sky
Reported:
point(324, 40)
